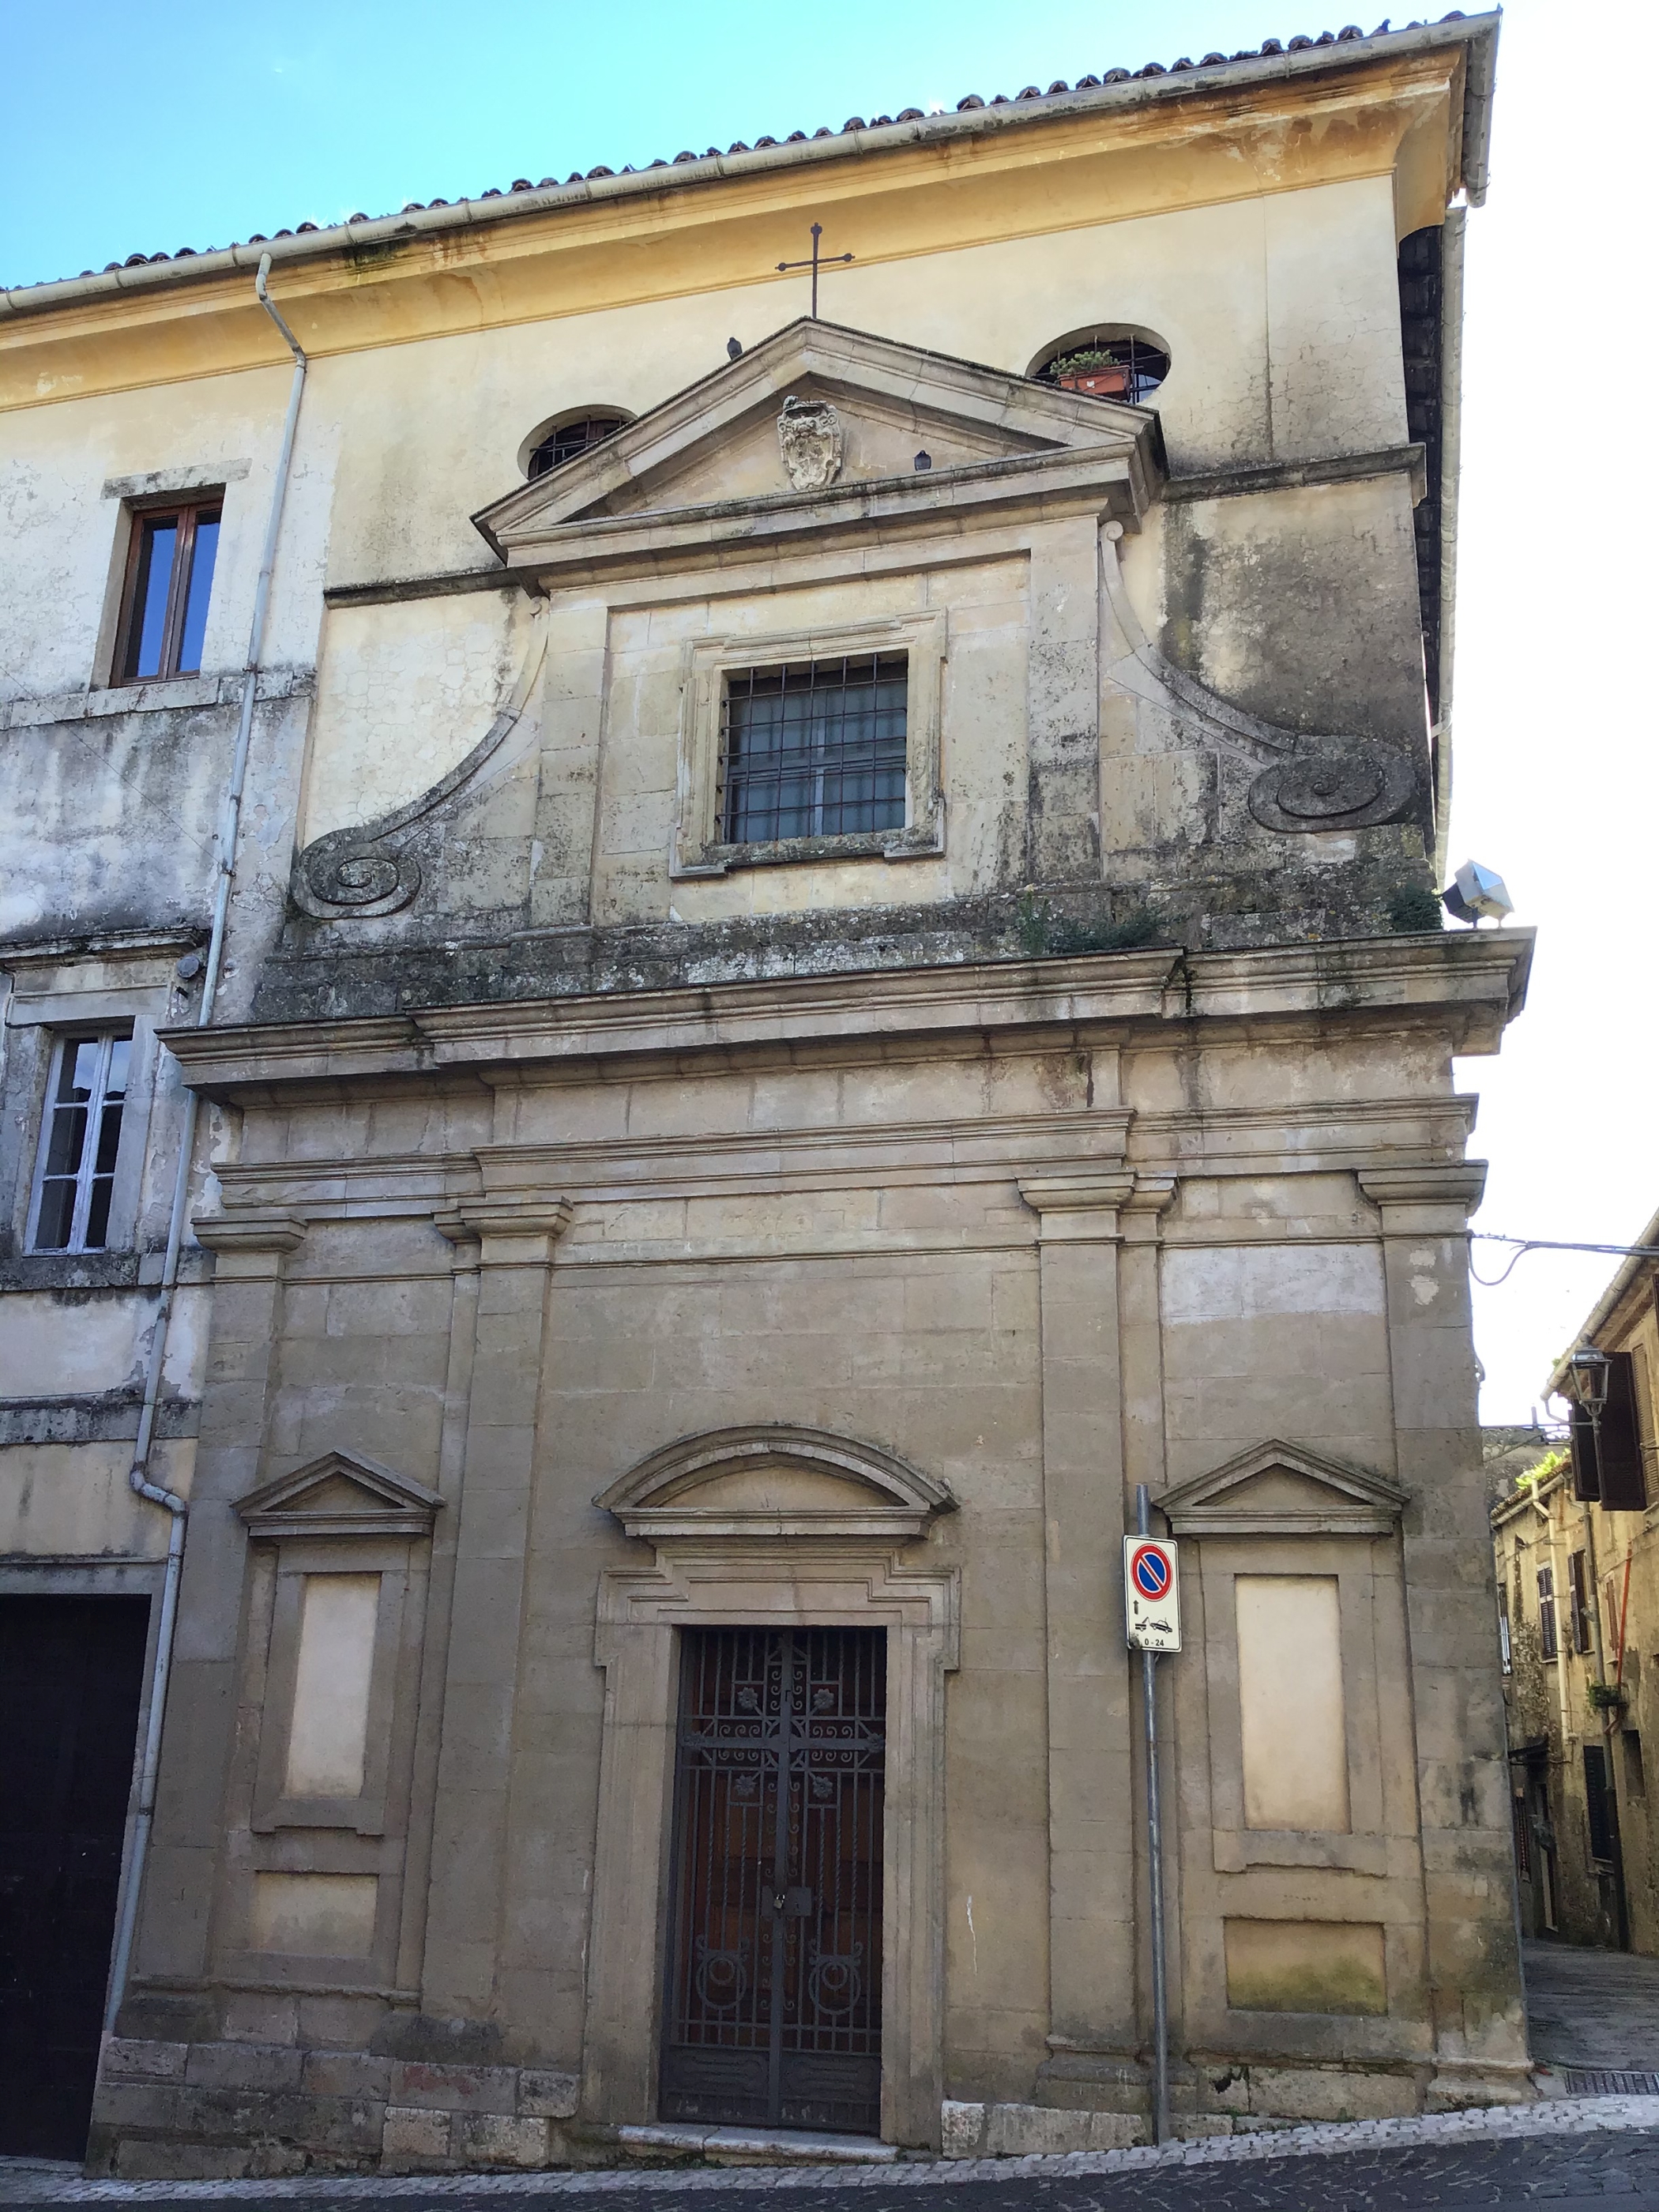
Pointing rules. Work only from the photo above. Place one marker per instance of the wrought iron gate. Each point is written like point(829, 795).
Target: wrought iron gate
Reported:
point(773, 2016)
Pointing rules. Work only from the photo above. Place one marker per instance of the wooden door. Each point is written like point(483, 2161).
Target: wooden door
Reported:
point(773, 2005)
point(71, 1671)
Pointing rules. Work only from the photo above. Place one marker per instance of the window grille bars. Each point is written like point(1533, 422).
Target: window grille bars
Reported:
point(813, 749)
point(570, 439)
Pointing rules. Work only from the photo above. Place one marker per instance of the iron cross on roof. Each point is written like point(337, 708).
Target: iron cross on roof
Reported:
point(829, 260)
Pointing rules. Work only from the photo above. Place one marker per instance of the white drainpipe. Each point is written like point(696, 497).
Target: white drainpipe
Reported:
point(138, 1474)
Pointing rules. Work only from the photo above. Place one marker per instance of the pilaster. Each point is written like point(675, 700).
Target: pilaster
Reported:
point(1092, 1935)
point(515, 1239)
point(251, 1247)
point(1473, 1969)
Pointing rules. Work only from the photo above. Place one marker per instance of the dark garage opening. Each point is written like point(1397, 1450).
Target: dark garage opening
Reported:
point(71, 1675)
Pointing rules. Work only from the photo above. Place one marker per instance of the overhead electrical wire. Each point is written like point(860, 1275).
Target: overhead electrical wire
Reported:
point(1551, 1244)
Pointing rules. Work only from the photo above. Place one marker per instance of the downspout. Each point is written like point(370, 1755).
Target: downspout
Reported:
point(138, 1474)
point(1557, 1585)
point(1451, 458)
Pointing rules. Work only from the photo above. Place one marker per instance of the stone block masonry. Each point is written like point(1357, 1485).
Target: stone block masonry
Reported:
point(167, 2110)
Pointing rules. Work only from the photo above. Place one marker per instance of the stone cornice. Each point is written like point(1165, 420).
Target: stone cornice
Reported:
point(940, 504)
point(108, 946)
point(1318, 1136)
point(1472, 982)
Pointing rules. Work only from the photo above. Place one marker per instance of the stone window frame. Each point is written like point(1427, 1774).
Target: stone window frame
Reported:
point(65, 1041)
point(1340, 1522)
point(388, 1533)
point(705, 663)
point(768, 1567)
point(297, 1560)
point(135, 495)
point(1350, 1562)
point(96, 986)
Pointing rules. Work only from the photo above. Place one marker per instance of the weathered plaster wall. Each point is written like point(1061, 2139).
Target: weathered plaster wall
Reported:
point(64, 473)
point(62, 1502)
point(404, 692)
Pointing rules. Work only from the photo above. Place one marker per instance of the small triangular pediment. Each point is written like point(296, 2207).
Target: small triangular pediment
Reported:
point(717, 442)
point(340, 1495)
point(1279, 1489)
point(774, 1480)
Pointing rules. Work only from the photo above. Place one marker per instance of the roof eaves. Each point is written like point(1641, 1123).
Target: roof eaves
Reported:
point(1144, 88)
point(1629, 1273)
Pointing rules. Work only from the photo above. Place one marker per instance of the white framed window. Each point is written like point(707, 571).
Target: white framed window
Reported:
point(80, 1141)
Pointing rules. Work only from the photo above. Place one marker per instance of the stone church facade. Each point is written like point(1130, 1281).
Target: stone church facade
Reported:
point(823, 965)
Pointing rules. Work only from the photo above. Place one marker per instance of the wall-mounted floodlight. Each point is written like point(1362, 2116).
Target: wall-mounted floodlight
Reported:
point(1477, 894)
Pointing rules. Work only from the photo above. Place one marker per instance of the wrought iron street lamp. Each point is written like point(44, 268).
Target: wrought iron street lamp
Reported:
point(1587, 1374)
point(1587, 1381)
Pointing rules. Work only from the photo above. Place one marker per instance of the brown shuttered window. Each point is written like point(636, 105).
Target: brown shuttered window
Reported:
point(1619, 1454)
point(1546, 1640)
point(1607, 1466)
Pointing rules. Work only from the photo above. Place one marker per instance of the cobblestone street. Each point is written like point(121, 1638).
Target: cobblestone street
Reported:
point(1566, 2154)
point(1592, 2010)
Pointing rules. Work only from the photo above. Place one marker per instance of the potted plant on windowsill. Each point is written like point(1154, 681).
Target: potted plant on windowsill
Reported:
point(1096, 371)
point(1608, 1697)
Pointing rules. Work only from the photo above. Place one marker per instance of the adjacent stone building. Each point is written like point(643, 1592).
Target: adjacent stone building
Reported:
point(801, 950)
point(1577, 1573)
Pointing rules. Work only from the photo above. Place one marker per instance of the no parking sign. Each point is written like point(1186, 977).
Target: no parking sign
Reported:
point(1151, 1594)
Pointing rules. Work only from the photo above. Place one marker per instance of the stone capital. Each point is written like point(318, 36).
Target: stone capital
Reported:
point(250, 1232)
point(1100, 1206)
point(1078, 1209)
point(1433, 1200)
point(1145, 1208)
point(506, 1228)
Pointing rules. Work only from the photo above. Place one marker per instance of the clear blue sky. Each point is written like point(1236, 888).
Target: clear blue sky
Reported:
point(140, 129)
point(172, 123)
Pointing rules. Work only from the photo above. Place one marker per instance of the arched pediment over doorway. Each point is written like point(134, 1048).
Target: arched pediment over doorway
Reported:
point(775, 1480)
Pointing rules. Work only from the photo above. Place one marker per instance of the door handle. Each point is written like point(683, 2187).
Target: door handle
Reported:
point(793, 1904)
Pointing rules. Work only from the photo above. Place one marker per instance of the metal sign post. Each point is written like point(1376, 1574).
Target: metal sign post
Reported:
point(1152, 1615)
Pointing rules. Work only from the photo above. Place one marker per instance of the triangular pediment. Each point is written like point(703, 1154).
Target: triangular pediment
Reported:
point(773, 1481)
point(1279, 1489)
point(340, 1495)
point(717, 443)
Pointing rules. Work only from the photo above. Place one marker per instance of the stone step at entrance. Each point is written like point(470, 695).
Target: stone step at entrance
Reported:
point(753, 2146)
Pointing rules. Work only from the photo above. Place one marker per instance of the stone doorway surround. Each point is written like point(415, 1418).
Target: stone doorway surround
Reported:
point(770, 1527)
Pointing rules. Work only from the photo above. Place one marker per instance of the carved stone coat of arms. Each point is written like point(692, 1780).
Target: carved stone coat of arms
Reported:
point(808, 437)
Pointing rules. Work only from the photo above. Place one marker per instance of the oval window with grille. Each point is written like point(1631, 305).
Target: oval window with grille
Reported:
point(557, 442)
point(1106, 363)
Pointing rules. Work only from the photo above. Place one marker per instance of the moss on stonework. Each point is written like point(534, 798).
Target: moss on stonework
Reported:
point(1413, 911)
point(1333, 1986)
point(1044, 929)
